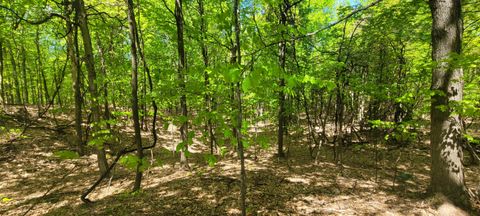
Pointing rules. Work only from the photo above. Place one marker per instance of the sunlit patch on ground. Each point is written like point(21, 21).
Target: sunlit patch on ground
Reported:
point(34, 180)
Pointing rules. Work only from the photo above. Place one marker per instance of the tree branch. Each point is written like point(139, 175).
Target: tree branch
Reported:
point(33, 22)
point(343, 18)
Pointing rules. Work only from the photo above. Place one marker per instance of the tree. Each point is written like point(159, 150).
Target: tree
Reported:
point(208, 99)
point(2, 86)
point(18, 96)
point(134, 83)
point(282, 52)
point(181, 71)
point(76, 74)
point(447, 175)
point(79, 6)
point(239, 114)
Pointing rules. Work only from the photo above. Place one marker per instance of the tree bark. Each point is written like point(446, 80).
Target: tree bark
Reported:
point(18, 96)
point(103, 69)
point(205, 57)
point(281, 92)
point(24, 75)
point(76, 78)
point(182, 80)
point(134, 83)
point(2, 86)
point(39, 70)
point(238, 97)
point(92, 76)
point(40, 66)
point(447, 175)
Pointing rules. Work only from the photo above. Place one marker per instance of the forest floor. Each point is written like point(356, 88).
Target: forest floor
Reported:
point(33, 181)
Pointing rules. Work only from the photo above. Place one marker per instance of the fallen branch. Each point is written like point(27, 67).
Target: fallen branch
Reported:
point(107, 172)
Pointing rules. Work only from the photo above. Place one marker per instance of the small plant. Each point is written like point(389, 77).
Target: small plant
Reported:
point(66, 154)
point(131, 161)
point(402, 133)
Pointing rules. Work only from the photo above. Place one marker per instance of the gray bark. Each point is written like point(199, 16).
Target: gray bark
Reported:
point(76, 79)
point(24, 75)
point(134, 83)
point(238, 126)
point(182, 80)
point(2, 86)
point(92, 76)
point(18, 97)
point(447, 174)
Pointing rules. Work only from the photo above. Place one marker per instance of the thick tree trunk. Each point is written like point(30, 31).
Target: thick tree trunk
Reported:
point(92, 76)
point(447, 176)
point(134, 83)
point(76, 78)
point(181, 80)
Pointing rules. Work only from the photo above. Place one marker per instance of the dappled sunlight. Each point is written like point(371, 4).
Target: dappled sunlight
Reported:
point(295, 185)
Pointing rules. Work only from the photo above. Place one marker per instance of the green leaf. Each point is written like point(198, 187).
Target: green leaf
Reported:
point(180, 146)
point(191, 134)
point(223, 150)
point(245, 144)
point(131, 161)
point(182, 119)
point(6, 199)
point(263, 141)
point(211, 159)
point(246, 84)
point(227, 133)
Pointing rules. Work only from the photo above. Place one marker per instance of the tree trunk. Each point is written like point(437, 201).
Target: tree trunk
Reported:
point(40, 67)
point(103, 69)
point(181, 80)
point(238, 127)
point(76, 78)
point(38, 87)
point(207, 96)
point(92, 86)
point(281, 92)
point(16, 83)
point(447, 176)
point(24, 75)
point(2, 86)
point(134, 83)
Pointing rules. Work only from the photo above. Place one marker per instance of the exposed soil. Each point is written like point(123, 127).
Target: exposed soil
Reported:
point(36, 182)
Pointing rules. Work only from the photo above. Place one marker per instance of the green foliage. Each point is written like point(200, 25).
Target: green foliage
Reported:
point(132, 161)
point(5, 199)
point(472, 140)
point(66, 154)
point(400, 133)
point(100, 138)
point(377, 63)
point(263, 141)
point(382, 124)
point(211, 159)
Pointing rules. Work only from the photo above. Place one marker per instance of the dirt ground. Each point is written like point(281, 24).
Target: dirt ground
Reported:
point(33, 181)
